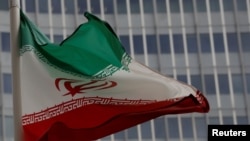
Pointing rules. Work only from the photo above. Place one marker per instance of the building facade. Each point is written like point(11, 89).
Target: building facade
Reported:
point(205, 43)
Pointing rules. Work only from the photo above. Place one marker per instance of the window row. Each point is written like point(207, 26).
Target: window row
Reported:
point(108, 6)
point(194, 42)
point(223, 82)
point(169, 127)
point(196, 80)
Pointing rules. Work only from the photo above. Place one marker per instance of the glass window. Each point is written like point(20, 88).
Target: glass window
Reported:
point(173, 128)
point(161, 6)
point(132, 132)
point(138, 45)
point(56, 6)
point(160, 128)
point(58, 39)
point(135, 7)
point(82, 6)
point(218, 42)
point(209, 84)
point(151, 43)
point(241, 5)
point(201, 5)
point(7, 83)
point(125, 42)
point(120, 135)
point(121, 6)
point(248, 82)
point(201, 125)
point(30, 5)
point(4, 5)
point(232, 42)
point(214, 5)
point(237, 83)
point(5, 38)
point(192, 43)
point(108, 6)
point(95, 6)
point(43, 6)
point(146, 130)
point(188, 6)
point(214, 120)
point(164, 43)
point(205, 43)
point(69, 6)
point(21, 5)
point(9, 126)
point(148, 6)
point(182, 78)
point(48, 36)
point(178, 43)
point(174, 6)
point(228, 120)
point(228, 5)
point(242, 120)
point(245, 36)
point(223, 83)
point(187, 127)
point(196, 81)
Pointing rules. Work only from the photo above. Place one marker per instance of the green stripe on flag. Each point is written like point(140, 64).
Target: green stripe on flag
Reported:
point(92, 50)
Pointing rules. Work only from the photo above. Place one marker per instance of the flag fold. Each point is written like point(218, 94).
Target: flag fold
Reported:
point(88, 86)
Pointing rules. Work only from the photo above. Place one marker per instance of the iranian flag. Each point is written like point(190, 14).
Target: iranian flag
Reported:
point(88, 86)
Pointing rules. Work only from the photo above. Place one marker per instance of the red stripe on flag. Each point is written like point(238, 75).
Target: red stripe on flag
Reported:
point(95, 121)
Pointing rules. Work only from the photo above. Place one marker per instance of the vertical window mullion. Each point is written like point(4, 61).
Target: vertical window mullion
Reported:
point(229, 73)
point(184, 38)
point(144, 40)
point(63, 19)
point(89, 6)
point(172, 52)
point(23, 6)
point(245, 76)
point(171, 40)
point(36, 12)
point(215, 73)
point(130, 31)
point(158, 47)
point(76, 10)
point(102, 9)
point(51, 31)
point(201, 70)
point(188, 75)
point(248, 11)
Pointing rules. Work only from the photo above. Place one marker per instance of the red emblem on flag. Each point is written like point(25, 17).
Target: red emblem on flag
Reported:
point(79, 87)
